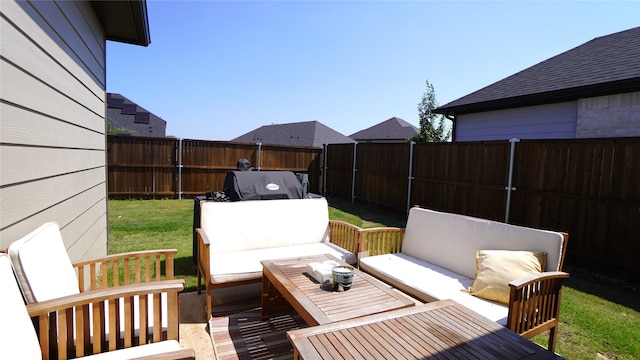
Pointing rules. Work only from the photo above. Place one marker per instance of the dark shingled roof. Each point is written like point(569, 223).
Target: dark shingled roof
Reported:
point(124, 113)
point(391, 129)
point(308, 133)
point(603, 66)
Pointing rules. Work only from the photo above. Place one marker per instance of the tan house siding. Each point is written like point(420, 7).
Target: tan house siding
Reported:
point(52, 126)
point(609, 116)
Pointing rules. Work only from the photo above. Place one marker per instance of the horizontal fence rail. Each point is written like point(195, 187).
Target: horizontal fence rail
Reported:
point(589, 188)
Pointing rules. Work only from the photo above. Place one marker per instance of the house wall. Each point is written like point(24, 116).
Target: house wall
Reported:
point(52, 124)
point(609, 116)
point(552, 121)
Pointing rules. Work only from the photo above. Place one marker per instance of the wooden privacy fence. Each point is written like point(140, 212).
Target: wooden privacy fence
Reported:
point(589, 188)
point(141, 167)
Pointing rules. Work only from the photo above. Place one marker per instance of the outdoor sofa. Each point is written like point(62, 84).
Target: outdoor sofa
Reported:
point(514, 273)
point(235, 236)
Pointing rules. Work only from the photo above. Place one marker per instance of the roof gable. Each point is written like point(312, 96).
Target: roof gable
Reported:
point(602, 66)
point(391, 129)
point(124, 113)
point(308, 133)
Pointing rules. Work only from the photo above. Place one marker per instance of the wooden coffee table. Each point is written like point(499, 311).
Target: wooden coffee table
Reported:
point(438, 330)
point(285, 284)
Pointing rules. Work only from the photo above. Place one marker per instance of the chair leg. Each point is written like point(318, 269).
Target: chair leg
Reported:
point(199, 280)
point(552, 339)
point(209, 310)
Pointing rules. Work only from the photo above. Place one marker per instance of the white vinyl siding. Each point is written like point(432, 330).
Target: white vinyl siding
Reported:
point(52, 128)
point(552, 121)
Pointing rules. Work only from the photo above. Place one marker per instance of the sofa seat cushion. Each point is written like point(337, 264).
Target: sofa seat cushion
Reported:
point(429, 282)
point(18, 338)
point(245, 265)
point(158, 348)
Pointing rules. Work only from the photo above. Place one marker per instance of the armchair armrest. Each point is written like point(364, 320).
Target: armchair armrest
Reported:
point(381, 240)
point(126, 268)
point(534, 305)
point(204, 259)
point(344, 235)
point(64, 324)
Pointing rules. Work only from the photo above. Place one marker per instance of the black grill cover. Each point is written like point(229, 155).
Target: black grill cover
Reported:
point(262, 185)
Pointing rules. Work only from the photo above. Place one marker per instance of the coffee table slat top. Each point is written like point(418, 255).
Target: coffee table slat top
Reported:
point(317, 305)
point(438, 330)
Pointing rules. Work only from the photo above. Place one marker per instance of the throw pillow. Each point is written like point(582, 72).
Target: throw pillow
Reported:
point(495, 269)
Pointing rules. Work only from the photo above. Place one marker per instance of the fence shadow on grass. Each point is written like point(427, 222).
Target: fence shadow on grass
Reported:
point(370, 213)
point(614, 290)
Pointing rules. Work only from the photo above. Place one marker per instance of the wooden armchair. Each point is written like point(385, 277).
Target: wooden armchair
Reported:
point(44, 272)
point(63, 332)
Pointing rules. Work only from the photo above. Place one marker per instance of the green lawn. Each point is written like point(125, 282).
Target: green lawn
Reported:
point(600, 316)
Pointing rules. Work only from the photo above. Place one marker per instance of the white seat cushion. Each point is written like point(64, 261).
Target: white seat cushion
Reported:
point(434, 282)
point(18, 339)
point(245, 265)
point(42, 265)
point(138, 351)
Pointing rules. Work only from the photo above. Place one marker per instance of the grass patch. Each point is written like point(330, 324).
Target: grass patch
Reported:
point(600, 316)
point(155, 224)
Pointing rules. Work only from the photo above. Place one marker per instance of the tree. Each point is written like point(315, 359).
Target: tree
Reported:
point(429, 131)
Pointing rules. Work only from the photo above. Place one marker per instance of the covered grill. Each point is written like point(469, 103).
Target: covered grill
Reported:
point(262, 185)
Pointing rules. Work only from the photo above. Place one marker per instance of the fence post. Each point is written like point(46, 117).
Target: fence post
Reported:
point(259, 151)
point(509, 187)
point(353, 177)
point(325, 148)
point(179, 169)
point(410, 175)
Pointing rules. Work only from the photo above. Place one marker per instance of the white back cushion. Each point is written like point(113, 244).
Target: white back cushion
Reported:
point(42, 265)
point(257, 224)
point(18, 339)
point(451, 241)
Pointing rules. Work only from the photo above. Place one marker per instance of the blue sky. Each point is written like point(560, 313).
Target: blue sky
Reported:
point(218, 69)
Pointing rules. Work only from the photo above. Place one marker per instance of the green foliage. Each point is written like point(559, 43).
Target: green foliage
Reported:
point(112, 130)
point(432, 126)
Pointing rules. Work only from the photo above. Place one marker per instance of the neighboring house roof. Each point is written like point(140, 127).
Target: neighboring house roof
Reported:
point(124, 21)
point(391, 129)
point(124, 113)
point(603, 66)
point(308, 133)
